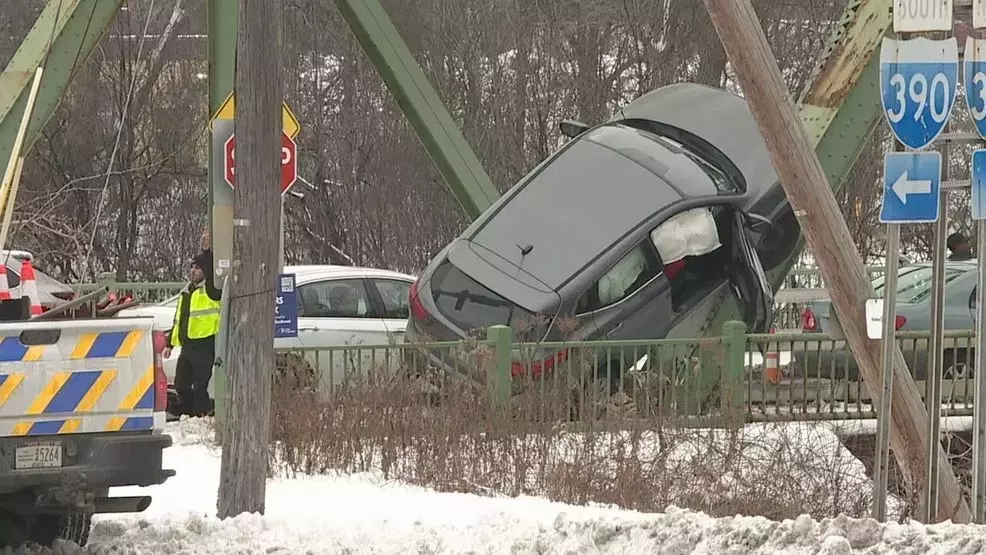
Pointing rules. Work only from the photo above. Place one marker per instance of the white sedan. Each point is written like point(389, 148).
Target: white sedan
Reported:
point(337, 306)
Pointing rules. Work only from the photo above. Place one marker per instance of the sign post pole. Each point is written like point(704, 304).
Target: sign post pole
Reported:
point(911, 194)
point(918, 86)
point(882, 462)
point(975, 83)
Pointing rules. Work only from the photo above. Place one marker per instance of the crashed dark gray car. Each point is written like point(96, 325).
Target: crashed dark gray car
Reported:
point(626, 232)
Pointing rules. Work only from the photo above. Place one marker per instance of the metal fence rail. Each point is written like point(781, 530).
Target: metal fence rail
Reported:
point(757, 377)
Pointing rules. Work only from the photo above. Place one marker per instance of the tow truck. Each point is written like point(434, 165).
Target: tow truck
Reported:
point(82, 410)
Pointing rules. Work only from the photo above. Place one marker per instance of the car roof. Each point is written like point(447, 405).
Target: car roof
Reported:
point(312, 272)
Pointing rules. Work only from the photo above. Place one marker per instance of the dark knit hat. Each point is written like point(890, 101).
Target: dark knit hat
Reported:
point(204, 261)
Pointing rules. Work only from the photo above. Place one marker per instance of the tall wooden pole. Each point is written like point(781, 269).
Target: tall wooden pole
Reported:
point(256, 223)
point(827, 235)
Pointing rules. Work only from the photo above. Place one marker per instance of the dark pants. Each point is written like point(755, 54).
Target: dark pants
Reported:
point(192, 377)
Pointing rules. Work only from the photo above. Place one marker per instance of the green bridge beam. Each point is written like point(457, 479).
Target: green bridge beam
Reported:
point(74, 28)
point(431, 121)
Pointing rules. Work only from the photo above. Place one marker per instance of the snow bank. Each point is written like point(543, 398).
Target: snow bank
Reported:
point(365, 514)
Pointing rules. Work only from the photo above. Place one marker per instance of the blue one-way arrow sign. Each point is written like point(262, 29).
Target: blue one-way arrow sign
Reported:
point(911, 185)
point(978, 172)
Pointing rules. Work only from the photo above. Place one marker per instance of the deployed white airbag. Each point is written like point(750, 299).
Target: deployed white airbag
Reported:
point(689, 233)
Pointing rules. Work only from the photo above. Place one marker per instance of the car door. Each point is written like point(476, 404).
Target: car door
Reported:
point(338, 312)
point(748, 281)
point(631, 300)
point(393, 298)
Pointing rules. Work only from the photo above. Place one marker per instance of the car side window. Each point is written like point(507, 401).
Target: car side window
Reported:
point(336, 298)
point(395, 297)
point(628, 275)
point(13, 280)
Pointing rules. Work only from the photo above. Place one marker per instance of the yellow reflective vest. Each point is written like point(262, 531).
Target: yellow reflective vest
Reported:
point(202, 316)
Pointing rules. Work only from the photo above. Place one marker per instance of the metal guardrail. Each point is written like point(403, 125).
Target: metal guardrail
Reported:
point(760, 377)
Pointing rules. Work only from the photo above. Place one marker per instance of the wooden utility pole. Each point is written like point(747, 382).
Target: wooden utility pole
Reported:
point(256, 223)
point(827, 235)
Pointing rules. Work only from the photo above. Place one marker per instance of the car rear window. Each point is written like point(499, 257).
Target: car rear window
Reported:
point(576, 207)
point(472, 306)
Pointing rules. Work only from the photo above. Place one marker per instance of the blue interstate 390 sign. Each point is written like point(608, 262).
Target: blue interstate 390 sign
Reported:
point(918, 85)
point(974, 77)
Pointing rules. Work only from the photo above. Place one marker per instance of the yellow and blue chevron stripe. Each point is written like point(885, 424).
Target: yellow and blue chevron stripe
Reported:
point(72, 425)
point(12, 350)
point(82, 383)
point(75, 392)
point(8, 384)
point(140, 397)
point(113, 344)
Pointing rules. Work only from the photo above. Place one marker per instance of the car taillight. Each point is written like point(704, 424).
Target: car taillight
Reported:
point(899, 322)
point(160, 378)
point(808, 322)
point(417, 309)
point(539, 367)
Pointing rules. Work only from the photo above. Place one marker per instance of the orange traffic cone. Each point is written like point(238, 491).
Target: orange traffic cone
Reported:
point(4, 286)
point(772, 362)
point(29, 287)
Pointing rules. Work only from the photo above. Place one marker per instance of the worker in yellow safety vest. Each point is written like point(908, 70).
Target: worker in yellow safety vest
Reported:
point(194, 330)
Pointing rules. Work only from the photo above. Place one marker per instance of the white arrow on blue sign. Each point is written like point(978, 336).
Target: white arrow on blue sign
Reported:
point(918, 85)
point(974, 76)
point(978, 171)
point(911, 185)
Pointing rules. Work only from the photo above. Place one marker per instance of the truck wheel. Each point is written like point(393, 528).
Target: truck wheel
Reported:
point(71, 527)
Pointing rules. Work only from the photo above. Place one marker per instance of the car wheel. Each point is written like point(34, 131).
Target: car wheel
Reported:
point(958, 365)
point(292, 371)
point(602, 395)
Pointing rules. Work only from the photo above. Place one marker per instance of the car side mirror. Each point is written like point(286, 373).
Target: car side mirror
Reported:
point(572, 128)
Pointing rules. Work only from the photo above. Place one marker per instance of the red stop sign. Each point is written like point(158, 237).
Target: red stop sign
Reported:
point(289, 162)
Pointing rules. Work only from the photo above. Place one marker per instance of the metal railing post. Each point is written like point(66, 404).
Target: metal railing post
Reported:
point(500, 341)
point(734, 370)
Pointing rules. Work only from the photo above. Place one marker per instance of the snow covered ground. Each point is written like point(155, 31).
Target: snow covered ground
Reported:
point(364, 514)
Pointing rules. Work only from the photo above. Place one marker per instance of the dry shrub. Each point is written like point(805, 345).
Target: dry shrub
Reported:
point(449, 436)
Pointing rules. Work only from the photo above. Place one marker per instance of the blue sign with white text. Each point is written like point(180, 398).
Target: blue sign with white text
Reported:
point(974, 76)
point(918, 85)
point(286, 307)
point(978, 172)
point(911, 187)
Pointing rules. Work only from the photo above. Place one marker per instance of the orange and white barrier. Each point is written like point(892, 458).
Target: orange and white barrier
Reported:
point(29, 287)
point(4, 285)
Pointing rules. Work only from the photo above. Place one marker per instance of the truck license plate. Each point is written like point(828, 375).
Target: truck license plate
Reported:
point(39, 455)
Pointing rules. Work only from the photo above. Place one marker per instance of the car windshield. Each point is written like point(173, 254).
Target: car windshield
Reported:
point(914, 283)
